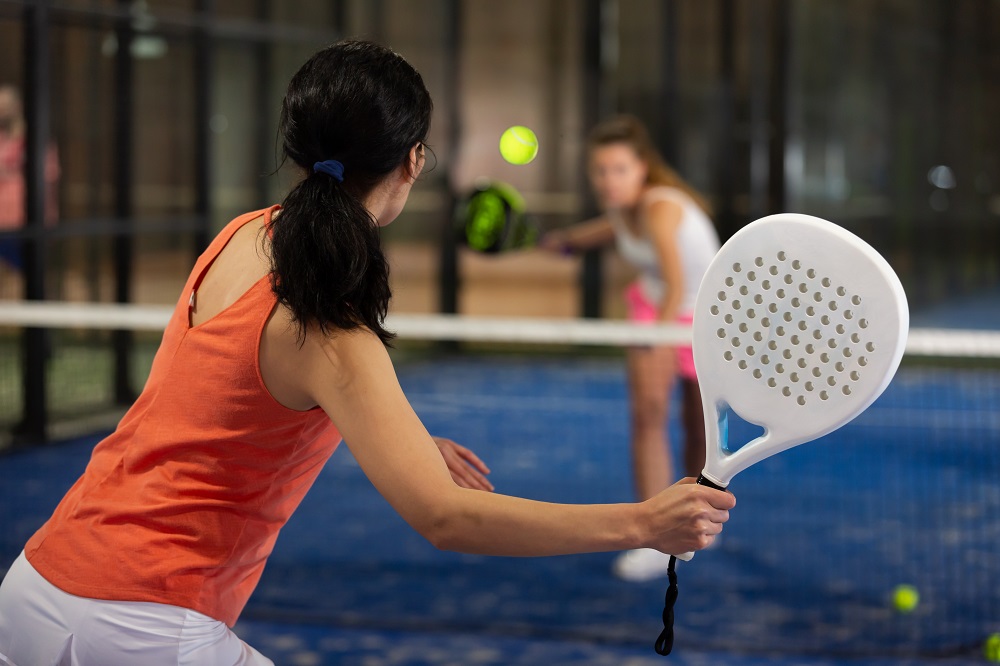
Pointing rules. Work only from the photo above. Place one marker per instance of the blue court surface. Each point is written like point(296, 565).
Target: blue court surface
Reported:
point(907, 494)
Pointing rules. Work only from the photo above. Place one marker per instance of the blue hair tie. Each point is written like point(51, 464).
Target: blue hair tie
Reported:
point(332, 168)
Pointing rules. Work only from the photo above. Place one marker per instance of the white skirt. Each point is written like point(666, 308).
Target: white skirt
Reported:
point(40, 625)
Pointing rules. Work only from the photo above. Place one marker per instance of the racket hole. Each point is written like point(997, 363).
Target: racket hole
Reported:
point(825, 320)
point(848, 314)
point(735, 342)
point(794, 339)
point(870, 346)
point(730, 282)
point(751, 314)
point(781, 255)
point(839, 366)
point(811, 274)
point(817, 334)
point(772, 308)
point(759, 261)
point(856, 300)
point(771, 382)
point(772, 345)
point(728, 356)
point(831, 343)
point(811, 311)
point(816, 372)
point(863, 323)
point(824, 357)
point(743, 327)
point(744, 291)
point(788, 279)
point(757, 373)
point(787, 316)
point(810, 349)
point(803, 287)
point(855, 338)
point(833, 305)
point(823, 395)
point(787, 354)
point(736, 305)
point(786, 391)
point(766, 284)
point(825, 282)
point(796, 264)
point(743, 365)
point(862, 361)
point(794, 377)
point(757, 336)
point(721, 332)
point(802, 326)
point(722, 295)
point(841, 329)
point(751, 276)
point(841, 291)
point(758, 299)
point(737, 268)
point(728, 319)
point(780, 293)
point(846, 390)
point(750, 351)
point(855, 376)
point(779, 368)
point(796, 302)
point(832, 381)
point(818, 297)
point(780, 330)
point(802, 363)
point(765, 359)
point(765, 322)
point(809, 386)
point(801, 400)
point(714, 309)
point(847, 352)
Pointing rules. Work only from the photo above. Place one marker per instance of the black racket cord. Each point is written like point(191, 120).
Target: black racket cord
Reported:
point(665, 642)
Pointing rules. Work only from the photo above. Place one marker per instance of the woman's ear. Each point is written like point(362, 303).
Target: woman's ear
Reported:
point(415, 162)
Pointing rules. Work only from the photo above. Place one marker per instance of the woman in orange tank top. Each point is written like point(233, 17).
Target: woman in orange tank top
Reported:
point(275, 350)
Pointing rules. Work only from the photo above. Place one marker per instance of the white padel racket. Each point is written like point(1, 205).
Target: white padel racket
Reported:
point(798, 327)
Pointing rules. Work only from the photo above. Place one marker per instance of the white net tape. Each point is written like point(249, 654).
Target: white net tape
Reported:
point(50, 314)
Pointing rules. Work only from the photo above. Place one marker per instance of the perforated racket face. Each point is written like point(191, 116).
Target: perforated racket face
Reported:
point(799, 325)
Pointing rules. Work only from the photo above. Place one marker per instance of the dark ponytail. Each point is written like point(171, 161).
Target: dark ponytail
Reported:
point(364, 106)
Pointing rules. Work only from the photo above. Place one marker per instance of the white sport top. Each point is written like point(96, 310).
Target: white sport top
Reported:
point(697, 244)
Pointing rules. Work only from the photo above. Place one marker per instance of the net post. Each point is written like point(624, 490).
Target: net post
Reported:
point(38, 108)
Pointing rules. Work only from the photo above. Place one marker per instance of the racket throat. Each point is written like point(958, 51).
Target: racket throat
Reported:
point(704, 480)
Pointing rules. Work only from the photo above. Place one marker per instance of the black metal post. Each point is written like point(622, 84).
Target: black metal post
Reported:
point(778, 95)
point(726, 155)
point(122, 340)
point(204, 62)
point(37, 100)
point(669, 115)
point(449, 279)
point(597, 103)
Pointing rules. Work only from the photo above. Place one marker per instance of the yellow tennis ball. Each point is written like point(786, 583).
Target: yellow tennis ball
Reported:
point(905, 598)
point(518, 145)
point(991, 648)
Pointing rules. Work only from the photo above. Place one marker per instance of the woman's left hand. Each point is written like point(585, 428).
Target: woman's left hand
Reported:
point(465, 466)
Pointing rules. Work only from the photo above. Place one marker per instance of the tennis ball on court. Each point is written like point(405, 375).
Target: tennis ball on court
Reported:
point(518, 145)
point(905, 598)
point(991, 648)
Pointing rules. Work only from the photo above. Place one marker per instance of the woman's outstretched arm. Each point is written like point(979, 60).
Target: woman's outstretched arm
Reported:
point(351, 376)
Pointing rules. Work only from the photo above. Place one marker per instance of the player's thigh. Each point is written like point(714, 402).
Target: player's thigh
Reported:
point(651, 374)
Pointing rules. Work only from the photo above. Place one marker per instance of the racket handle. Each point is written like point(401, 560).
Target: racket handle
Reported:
point(702, 481)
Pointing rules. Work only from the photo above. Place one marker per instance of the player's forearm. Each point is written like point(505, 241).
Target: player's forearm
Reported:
point(491, 524)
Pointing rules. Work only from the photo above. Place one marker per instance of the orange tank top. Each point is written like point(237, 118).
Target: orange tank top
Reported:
point(182, 504)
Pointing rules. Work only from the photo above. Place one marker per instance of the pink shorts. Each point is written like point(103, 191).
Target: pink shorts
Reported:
point(641, 309)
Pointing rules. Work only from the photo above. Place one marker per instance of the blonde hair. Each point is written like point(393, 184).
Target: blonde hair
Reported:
point(630, 131)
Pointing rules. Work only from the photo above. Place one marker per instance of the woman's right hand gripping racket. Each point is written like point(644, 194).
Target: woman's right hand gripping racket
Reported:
point(799, 325)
